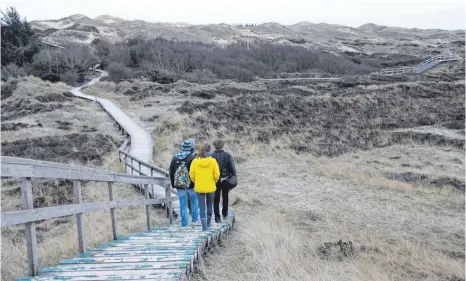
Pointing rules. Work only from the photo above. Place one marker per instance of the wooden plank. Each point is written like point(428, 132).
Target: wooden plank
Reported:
point(30, 228)
point(146, 191)
point(137, 253)
point(112, 210)
point(132, 260)
point(145, 248)
point(160, 273)
point(33, 215)
point(98, 277)
point(145, 243)
point(115, 267)
point(156, 240)
point(127, 259)
point(79, 216)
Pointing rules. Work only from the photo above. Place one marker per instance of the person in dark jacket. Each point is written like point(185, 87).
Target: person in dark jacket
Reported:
point(179, 177)
point(227, 169)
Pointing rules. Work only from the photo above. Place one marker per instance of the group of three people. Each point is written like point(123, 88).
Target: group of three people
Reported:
point(201, 179)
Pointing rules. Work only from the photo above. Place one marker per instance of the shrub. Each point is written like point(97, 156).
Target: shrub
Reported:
point(12, 70)
point(70, 77)
point(117, 72)
point(51, 77)
point(8, 88)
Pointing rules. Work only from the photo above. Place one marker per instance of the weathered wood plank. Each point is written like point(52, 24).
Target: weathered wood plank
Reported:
point(127, 259)
point(161, 273)
point(99, 277)
point(112, 210)
point(30, 228)
point(115, 267)
point(79, 216)
point(137, 253)
point(139, 248)
point(26, 216)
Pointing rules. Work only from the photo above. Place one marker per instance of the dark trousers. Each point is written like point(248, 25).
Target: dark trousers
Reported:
point(221, 191)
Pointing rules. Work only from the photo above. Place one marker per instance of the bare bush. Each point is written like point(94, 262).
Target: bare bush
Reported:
point(117, 72)
point(69, 77)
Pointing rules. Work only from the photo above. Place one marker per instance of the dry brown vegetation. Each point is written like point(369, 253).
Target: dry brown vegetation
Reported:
point(400, 203)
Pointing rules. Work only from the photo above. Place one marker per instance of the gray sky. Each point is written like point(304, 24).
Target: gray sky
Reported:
point(410, 13)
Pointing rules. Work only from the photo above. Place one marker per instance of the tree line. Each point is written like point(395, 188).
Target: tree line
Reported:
point(161, 60)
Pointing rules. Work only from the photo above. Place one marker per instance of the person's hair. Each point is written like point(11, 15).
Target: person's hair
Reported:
point(204, 150)
point(218, 144)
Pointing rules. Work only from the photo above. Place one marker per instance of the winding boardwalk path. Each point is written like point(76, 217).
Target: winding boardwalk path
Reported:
point(141, 145)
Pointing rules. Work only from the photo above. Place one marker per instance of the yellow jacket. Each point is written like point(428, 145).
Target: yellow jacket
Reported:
point(204, 173)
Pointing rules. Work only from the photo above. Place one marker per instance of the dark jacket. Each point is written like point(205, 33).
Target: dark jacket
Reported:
point(180, 156)
point(225, 163)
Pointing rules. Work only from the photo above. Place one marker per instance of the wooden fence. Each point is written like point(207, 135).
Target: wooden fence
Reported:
point(28, 170)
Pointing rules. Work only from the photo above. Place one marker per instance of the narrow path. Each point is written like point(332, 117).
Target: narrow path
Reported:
point(141, 146)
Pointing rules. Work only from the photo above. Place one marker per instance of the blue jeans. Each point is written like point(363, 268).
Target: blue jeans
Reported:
point(183, 197)
point(206, 200)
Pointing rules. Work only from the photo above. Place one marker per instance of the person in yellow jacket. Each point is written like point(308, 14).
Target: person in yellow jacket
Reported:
point(204, 173)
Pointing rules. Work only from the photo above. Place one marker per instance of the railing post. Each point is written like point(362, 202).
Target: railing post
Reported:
point(146, 187)
point(168, 194)
point(31, 235)
point(132, 167)
point(152, 186)
point(112, 210)
point(79, 217)
point(140, 170)
point(125, 162)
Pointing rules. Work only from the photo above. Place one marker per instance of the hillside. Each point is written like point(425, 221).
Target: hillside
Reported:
point(368, 38)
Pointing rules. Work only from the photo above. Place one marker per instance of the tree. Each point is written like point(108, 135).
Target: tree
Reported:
point(18, 41)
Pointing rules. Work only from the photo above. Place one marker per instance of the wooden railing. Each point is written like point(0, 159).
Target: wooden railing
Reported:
point(135, 166)
point(28, 170)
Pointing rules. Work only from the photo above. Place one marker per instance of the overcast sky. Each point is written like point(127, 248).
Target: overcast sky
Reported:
point(409, 13)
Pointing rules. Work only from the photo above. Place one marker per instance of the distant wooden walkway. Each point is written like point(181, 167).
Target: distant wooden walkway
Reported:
point(140, 145)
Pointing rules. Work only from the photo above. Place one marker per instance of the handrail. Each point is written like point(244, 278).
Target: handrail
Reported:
point(23, 168)
point(30, 169)
point(421, 66)
point(145, 164)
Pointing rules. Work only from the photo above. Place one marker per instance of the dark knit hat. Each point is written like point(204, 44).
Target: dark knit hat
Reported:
point(218, 144)
point(186, 146)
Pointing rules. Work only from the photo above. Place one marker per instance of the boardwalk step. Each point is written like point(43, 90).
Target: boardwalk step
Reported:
point(141, 259)
point(137, 253)
point(103, 277)
point(174, 274)
point(119, 266)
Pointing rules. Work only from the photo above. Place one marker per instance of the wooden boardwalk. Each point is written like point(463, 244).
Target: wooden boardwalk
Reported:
point(169, 253)
point(141, 144)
